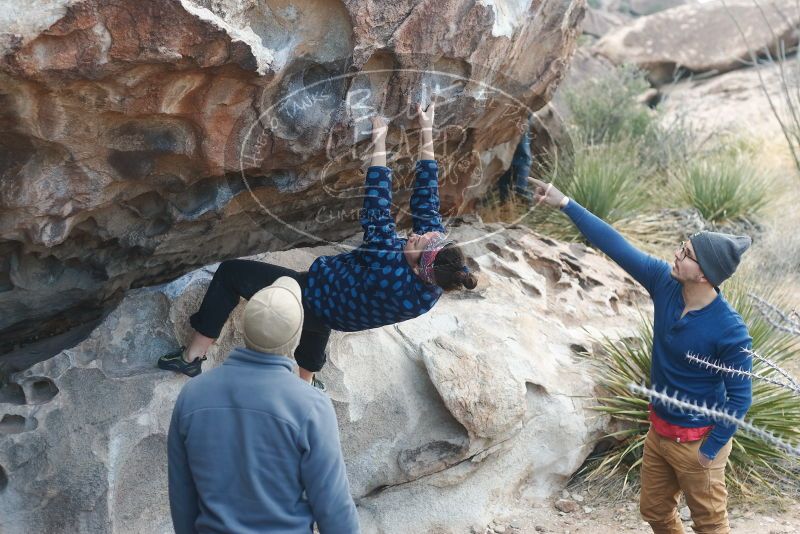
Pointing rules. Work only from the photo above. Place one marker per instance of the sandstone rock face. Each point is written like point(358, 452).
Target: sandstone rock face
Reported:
point(597, 23)
point(479, 405)
point(711, 37)
point(141, 139)
point(649, 7)
point(638, 7)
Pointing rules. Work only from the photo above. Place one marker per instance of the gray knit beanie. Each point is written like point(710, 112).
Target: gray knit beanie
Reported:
point(719, 254)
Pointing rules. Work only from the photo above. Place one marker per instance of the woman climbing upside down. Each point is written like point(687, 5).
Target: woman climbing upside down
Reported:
point(384, 281)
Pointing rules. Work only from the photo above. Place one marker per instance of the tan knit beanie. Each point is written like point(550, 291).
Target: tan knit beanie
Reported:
point(273, 318)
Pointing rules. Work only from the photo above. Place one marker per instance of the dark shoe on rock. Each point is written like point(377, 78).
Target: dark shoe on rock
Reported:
point(317, 383)
point(174, 362)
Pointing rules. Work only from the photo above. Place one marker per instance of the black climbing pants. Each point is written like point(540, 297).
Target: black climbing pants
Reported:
point(236, 279)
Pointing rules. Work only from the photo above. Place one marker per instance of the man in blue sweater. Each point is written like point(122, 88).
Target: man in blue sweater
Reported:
point(252, 448)
point(684, 451)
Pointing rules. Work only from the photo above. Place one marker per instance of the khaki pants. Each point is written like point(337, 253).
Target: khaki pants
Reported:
point(669, 467)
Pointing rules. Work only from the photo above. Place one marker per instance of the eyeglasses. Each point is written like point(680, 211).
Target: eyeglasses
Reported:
point(684, 253)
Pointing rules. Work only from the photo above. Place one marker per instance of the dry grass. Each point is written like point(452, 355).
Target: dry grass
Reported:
point(492, 210)
point(658, 233)
point(775, 255)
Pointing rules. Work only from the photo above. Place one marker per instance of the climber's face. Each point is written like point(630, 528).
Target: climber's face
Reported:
point(415, 246)
point(685, 268)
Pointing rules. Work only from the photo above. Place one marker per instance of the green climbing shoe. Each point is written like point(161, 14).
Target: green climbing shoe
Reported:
point(174, 362)
point(317, 383)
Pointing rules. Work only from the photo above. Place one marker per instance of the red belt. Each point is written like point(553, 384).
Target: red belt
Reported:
point(675, 432)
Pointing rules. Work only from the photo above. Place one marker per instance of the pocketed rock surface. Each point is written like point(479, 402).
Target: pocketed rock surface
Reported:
point(444, 419)
point(140, 140)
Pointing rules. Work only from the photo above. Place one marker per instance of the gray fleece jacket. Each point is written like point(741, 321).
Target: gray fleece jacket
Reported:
point(255, 449)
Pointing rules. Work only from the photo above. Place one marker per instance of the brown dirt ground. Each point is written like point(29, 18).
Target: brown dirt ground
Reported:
point(603, 517)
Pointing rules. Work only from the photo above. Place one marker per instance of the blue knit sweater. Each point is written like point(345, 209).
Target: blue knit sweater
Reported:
point(715, 332)
point(374, 285)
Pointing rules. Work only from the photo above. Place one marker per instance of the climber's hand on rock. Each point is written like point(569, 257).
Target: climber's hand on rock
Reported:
point(425, 116)
point(544, 193)
point(379, 128)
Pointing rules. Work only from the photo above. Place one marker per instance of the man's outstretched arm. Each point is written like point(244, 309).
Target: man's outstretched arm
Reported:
point(642, 267)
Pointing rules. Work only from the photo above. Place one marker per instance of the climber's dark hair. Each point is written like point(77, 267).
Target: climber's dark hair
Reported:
point(450, 269)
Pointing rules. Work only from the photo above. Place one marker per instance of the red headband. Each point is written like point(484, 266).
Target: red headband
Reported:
point(435, 245)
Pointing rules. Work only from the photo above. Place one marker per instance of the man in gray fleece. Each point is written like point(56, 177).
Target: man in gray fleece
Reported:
point(252, 447)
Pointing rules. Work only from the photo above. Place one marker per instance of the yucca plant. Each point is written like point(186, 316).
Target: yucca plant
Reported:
point(659, 232)
point(623, 362)
point(754, 464)
point(775, 409)
point(723, 187)
point(608, 180)
point(607, 108)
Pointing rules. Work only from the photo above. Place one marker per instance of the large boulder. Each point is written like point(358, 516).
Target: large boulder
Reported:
point(711, 37)
point(736, 102)
point(642, 8)
point(637, 8)
point(141, 139)
point(597, 22)
point(481, 405)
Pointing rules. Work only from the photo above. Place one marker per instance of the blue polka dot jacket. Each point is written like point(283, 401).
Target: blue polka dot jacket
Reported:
point(374, 285)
